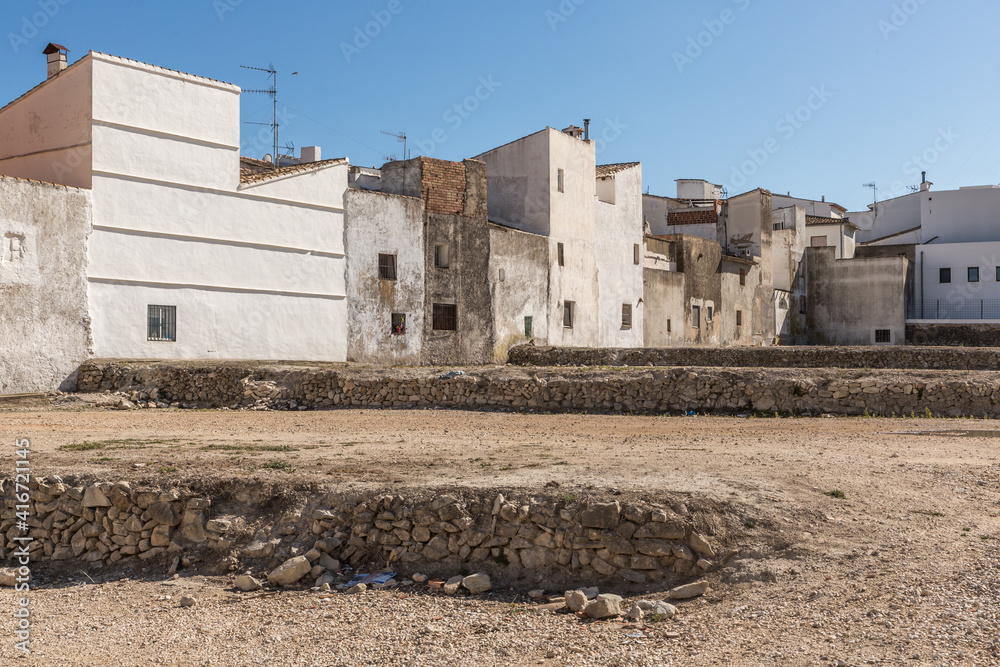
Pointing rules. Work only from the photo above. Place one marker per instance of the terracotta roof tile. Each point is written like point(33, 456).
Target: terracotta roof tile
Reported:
point(256, 171)
point(604, 170)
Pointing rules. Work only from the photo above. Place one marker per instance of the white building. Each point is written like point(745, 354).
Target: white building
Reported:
point(191, 257)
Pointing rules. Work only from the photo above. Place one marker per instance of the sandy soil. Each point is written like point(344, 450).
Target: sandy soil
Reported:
point(904, 568)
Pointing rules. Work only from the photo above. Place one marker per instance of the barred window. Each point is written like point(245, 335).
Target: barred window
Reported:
point(445, 317)
point(161, 323)
point(883, 335)
point(387, 267)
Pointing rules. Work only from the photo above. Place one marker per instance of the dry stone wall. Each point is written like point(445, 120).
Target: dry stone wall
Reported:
point(888, 357)
point(640, 391)
point(510, 537)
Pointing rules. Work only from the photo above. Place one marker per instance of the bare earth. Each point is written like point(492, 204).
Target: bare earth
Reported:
point(904, 570)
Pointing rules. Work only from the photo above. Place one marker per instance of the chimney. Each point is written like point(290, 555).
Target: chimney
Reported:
point(311, 154)
point(586, 129)
point(56, 58)
point(925, 185)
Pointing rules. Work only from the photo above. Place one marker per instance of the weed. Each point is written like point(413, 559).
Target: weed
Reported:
point(570, 498)
point(284, 466)
point(166, 470)
point(837, 493)
point(251, 448)
point(100, 459)
point(928, 414)
point(866, 414)
point(749, 523)
point(506, 467)
point(123, 443)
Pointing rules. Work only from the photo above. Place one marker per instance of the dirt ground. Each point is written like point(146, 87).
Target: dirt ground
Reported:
point(903, 569)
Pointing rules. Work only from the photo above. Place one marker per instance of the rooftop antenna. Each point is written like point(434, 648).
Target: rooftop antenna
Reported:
point(273, 92)
point(402, 137)
point(874, 200)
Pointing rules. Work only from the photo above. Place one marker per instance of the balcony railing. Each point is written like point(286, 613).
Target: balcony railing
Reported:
point(954, 309)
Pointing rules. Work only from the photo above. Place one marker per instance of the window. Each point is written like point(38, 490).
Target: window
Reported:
point(626, 316)
point(562, 256)
point(743, 276)
point(944, 275)
point(668, 326)
point(696, 317)
point(398, 324)
point(568, 308)
point(527, 326)
point(739, 318)
point(445, 317)
point(441, 256)
point(817, 241)
point(998, 274)
point(161, 323)
point(710, 313)
point(502, 275)
point(973, 274)
point(561, 180)
point(387, 267)
point(776, 226)
point(635, 254)
point(883, 336)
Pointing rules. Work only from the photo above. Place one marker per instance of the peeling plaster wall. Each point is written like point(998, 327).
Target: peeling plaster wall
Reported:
point(519, 277)
point(384, 224)
point(44, 324)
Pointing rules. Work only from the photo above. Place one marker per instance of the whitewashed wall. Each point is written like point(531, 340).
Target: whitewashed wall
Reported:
point(618, 228)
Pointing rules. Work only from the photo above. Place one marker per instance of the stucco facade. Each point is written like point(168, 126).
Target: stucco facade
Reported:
point(44, 322)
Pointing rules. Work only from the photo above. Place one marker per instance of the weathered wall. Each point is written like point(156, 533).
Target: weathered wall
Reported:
point(618, 229)
point(700, 260)
point(663, 306)
point(519, 277)
point(512, 536)
point(969, 334)
point(737, 297)
point(379, 223)
point(747, 227)
point(849, 299)
point(812, 356)
point(44, 324)
point(648, 391)
point(520, 184)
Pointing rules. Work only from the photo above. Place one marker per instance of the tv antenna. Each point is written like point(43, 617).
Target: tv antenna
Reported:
point(874, 200)
point(402, 137)
point(273, 92)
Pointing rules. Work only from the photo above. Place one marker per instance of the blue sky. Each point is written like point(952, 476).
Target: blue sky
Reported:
point(815, 99)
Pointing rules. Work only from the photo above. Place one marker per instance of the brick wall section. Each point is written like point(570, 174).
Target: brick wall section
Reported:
point(444, 186)
point(706, 217)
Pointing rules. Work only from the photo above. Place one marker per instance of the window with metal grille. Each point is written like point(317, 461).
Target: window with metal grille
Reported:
point(559, 252)
point(441, 257)
point(626, 316)
point(944, 275)
point(973, 274)
point(568, 308)
point(386, 267)
point(161, 323)
point(445, 317)
point(398, 324)
point(883, 335)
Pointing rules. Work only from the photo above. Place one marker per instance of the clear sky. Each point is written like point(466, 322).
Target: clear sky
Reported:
point(812, 98)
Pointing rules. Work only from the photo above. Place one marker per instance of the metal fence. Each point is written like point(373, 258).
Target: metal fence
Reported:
point(954, 309)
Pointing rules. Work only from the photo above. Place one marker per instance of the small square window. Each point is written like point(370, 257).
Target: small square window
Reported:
point(883, 335)
point(743, 276)
point(161, 323)
point(739, 318)
point(944, 275)
point(561, 254)
point(696, 317)
point(441, 259)
point(568, 308)
point(626, 316)
point(398, 324)
point(445, 317)
point(635, 254)
point(561, 180)
point(387, 267)
point(973, 274)
point(527, 326)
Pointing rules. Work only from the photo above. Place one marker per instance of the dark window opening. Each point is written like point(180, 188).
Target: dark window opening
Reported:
point(945, 275)
point(883, 336)
point(161, 323)
point(441, 258)
point(973, 274)
point(568, 307)
point(398, 324)
point(527, 326)
point(387, 267)
point(743, 276)
point(739, 318)
point(696, 317)
point(445, 317)
point(626, 316)
point(711, 311)
point(635, 254)
point(562, 256)
point(668, 326)
point(998, 274)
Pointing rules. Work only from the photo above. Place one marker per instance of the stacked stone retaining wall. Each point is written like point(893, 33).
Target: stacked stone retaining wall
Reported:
point(645, 391)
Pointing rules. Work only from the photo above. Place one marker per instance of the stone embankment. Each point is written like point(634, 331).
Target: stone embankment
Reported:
point(644, 391)
point(510, 538)
point(882, 357)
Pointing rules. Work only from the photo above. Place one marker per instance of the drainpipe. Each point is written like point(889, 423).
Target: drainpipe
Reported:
point(921, 284)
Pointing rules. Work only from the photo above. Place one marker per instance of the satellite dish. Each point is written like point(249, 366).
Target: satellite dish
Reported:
point(268, 158)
